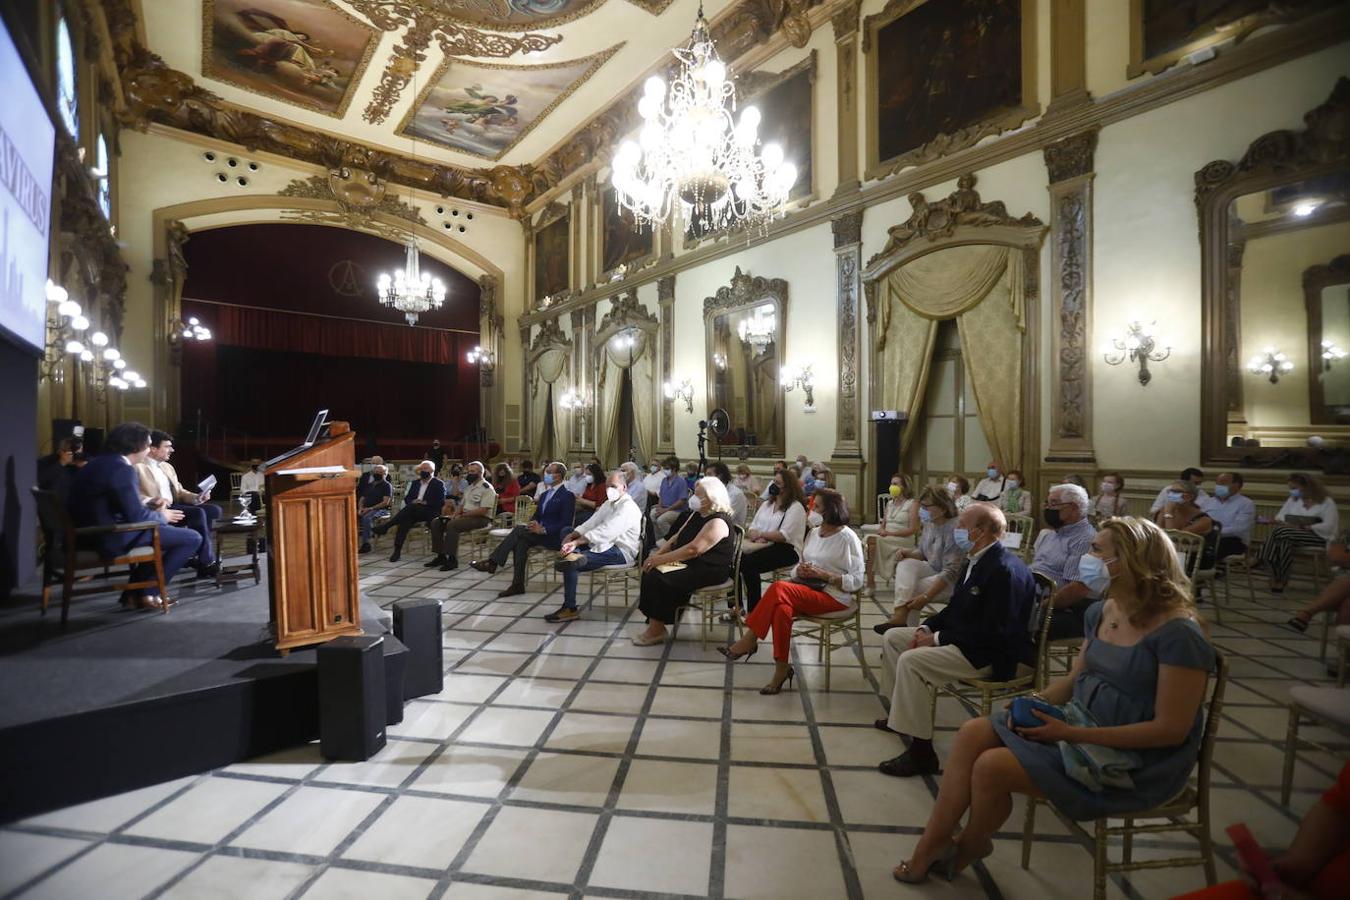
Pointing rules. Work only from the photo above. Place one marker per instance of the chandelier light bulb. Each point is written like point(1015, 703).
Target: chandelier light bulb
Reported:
point(86, 356)
point(130, 375)
point(74, 347)
point(140, 383)
point(98, 339)
point(55, 293)
point(68, 307)
point(78, 322)
point(111, 354)
point(119, 363)
point(192, 320)
point(714, 73)
point(655, 88)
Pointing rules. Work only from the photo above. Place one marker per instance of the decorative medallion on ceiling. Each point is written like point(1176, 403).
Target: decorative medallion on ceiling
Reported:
point(306, 52)
point(518, 15)
point(486, 109)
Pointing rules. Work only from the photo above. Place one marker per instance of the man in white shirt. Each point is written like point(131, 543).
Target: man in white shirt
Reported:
point(1191, 474)
point(251, 485)
point(474, 511)
point(610, 537)
point(576, 482)
point(991, 485)
point(161, 490)
point(637, 488)
point(652, 482)
point(1232, 509)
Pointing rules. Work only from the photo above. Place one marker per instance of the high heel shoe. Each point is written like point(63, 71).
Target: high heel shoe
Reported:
point(946, 863)
point(733, 657)
point(769, 689)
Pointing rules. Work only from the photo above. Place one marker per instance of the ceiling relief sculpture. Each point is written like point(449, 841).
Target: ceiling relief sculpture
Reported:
point(306, 52)
point(486, 109)
point(518, 15)
point(360, 196)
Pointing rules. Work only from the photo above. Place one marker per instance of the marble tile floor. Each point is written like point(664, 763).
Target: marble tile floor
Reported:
point(562, 761)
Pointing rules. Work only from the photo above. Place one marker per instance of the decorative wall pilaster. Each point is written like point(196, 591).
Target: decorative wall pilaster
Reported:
point(665, 297)
point(1070, 166)
point(168, 274)
point(526, 400)
point(490, 323)
point(847, 230)
point(845, 24)
point(576, 440)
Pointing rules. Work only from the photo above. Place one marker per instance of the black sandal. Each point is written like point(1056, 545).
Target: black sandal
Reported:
point(1297, 624)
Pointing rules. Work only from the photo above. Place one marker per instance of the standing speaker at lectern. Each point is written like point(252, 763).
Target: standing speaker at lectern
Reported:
point(422, 503)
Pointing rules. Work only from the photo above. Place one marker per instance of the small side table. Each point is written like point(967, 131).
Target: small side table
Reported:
point(239, 571)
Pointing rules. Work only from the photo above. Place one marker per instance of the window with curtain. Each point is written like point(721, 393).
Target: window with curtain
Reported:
point(950, 437)
point(67, 84)
point(102, 164)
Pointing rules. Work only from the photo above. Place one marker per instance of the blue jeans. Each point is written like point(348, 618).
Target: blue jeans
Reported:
point(594, 559)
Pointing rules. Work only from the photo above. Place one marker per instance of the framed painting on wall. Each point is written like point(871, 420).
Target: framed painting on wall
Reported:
point(621, 241)
point(787, 116)
point(553, 257)
point(943, 74)
point(306, 52)
point(1164, 32)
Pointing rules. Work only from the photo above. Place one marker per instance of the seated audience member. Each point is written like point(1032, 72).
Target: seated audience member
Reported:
point(455, 484)
point(361, 483)
point(979, 634)
point(802, 464)
point(1317, 864)
point(1138, 687)
point(374, 503)
point(106, 491)
point(993, 484)
point(474, 510)
point(1016, 499)
point(577, 482)
point(1335, 596)
point(898, 527)
point(1076, 479)
point(1234, 510)
point(777, 467)
point(1307, 519)
point(508, 489)
point(423, 502)
point(552, 519)
point(776, 534)
point(1058, 549)
point(815, 479)
point(704, 547)
point(746, 481)
point(959, 488)
point(633, 484)
point(1181, 512)
point(927, 572)
point(672, 499)
point(590, 499)
point(691, 474)
point(609, 537)
point(56, 471)
point(1110, 499)
point(739, 505)
point(160, 489)
point(1191, 474)
point(528, 478)
point(652, 482)
point(253, 482)
point(832, 569)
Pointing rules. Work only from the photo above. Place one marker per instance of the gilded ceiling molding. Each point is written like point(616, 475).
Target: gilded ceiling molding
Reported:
point(360, 195)
point(655, 7)
point(432, 19)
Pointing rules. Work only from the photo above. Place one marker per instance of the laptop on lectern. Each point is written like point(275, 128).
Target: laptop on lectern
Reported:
point(314, 429)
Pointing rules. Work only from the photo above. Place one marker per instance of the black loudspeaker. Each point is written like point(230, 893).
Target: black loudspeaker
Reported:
point(417, 623)
point(93, 442)
point(351, 697)
point(888, 451)
point(62, 429)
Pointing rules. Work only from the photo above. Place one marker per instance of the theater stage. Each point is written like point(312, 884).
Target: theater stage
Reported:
point(121, 699)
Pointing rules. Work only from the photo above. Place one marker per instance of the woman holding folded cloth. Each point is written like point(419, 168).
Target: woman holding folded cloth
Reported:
point(1136, 693)
point(699, 554)
point(1307, 519)
point(832, 568)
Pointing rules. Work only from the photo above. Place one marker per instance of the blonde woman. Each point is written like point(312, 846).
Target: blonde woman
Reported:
point(927, 572)
point(1139, 685)
point(898, 527)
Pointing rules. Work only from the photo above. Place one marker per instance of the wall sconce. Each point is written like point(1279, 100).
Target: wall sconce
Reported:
point(1271, 363)
point(481, 358)
point(684, 392)
point(577, 404)
point(110, 370)
point(66, 324)
point(1331, 354)
point(802, 378)
point(1138, 345)
point(181, 332)
point(720, 361)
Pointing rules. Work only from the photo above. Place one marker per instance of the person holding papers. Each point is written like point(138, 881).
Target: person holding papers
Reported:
point(160, 489)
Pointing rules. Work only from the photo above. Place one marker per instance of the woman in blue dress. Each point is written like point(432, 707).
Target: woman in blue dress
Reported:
point(1141, 676)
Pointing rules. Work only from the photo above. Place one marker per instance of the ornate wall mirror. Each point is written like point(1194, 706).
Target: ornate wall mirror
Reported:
point(1274, 230)
point(745, 323)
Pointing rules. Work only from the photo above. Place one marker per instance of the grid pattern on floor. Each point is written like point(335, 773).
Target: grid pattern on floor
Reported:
point(564, 761)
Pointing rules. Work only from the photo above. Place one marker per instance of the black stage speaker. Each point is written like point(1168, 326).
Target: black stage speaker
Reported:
point(889, 424)
point(417, 623)
point(93, 442)
point(351, 697)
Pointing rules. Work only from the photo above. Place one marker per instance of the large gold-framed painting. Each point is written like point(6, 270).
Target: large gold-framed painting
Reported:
point(306, 52)
point(553, 257)
point(622, 241)
point(945, 73)
point(1163, 32)
point(486, 109)
point(787, 112)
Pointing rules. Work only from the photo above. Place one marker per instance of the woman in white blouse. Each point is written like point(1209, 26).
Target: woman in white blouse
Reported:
point(898, 527)
point(1307, 519)
point(832, 568)
point(776, 534)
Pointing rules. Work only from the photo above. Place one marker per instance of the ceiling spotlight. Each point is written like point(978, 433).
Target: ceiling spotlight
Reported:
point(1306, 208)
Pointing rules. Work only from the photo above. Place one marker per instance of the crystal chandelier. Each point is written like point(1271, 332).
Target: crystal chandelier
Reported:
point(757, 330)
point(411, 291)
point(692, 154)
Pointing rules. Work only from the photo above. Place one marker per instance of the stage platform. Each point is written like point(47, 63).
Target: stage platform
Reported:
point(122, 699)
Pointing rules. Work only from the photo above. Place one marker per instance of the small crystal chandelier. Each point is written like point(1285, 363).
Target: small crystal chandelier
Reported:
point(692, 154)
point(757, 329)
point(411, 291)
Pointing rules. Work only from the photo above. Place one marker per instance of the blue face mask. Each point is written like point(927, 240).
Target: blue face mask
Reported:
point(1295, 493)
point(1092, 572)
point(924, 515)
point(1221, 491)
point(992, 473)
point(962, 538)
point(548, 478)
point(1175, 496)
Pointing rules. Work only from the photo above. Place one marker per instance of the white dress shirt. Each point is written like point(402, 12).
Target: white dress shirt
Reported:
point(577, 484)
point(614, 524)
point(651, 482)
point(739, 505)
point(1326, 511)
point(161, 482)
point(1235, 513)
point(989, 488)
point(840, 554)
point(791, 522)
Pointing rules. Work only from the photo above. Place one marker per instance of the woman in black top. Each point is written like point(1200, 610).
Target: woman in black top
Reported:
point(1181, 512)
point(705, 545)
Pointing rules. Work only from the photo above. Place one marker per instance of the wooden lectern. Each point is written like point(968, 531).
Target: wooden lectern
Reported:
point(311, 543)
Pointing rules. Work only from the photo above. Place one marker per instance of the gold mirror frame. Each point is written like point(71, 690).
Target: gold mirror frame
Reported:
point(745, 293)
point(1315, 280)
point(1273, 159)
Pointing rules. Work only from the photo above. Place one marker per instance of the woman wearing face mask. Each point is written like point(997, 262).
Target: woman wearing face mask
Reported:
point(832, 568)
point(776, 534)
point(508, 489)
point(959, 488)
point(1110, 499)
point(1138, 686)
point(1307, 519)
point(817, 478)
point(928, 572)
point(897, 530)
point(746, 481)
point(1181, 513)
point(704, 546)
point(1016, 499)
point(593, 494)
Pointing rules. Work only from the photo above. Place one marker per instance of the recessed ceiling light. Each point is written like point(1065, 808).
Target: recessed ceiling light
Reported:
point(1306, 208)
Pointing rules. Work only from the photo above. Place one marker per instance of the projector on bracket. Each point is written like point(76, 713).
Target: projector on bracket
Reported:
point(887, 415)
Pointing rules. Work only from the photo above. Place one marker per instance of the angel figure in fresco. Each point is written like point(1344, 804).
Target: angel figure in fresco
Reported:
point(485, 110)
point(276, 42)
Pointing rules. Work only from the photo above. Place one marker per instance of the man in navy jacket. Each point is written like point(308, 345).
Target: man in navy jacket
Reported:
point(106, 492)
point(552, 520)
point(979, 634)
point(422, 503)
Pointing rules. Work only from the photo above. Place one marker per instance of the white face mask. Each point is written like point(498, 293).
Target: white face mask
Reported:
point(952, 486)
point(653, 469)
point(666, 473)
point(613, 494)
point(695, 503)
point(814, 520)
point(590, 479)
point(1108, 487)
point(1013, 483)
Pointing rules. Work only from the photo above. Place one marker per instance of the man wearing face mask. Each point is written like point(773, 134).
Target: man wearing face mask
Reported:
point(722, 473)
point(1232, 509)
point(992, 485)
point(651, 483)
point(422, 503)
point(632, 477)
point(474, 511)
point(672, 500)
point(1191, 474)
point(552, 519)
point(1058, 554)
point(576, 482)
point(978, 634)
point(608, 538)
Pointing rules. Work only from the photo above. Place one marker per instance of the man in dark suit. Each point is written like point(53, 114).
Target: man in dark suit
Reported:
point(979, 634)
point(422, 503)
point(551, 521)
point(107, 492)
